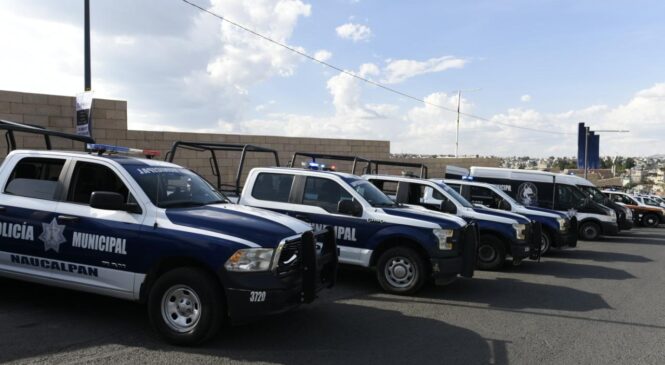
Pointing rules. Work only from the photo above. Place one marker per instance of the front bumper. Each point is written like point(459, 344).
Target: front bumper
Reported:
point(250, 296)
point(446, 269)
point(626, 224)
point(609, 228)
point(568, 238)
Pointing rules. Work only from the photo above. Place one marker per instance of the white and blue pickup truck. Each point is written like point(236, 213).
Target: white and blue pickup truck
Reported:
point(154, 232)
point(502, 234)
point(405, 246)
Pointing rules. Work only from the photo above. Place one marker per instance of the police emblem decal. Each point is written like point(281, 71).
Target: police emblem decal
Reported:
point(527, 194)
point(52, 235)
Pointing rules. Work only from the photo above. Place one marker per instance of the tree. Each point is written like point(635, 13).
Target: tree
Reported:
point(629, 163)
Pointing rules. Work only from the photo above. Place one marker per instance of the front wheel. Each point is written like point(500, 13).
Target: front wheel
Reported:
point(401, 270)
point(650, 220)
point(491, 253)
point(545, 242)
point(589, 231)
point(185, 306)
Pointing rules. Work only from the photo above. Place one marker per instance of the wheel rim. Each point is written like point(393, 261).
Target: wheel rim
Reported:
point(590, 232)
point(181, 308)
point(651, 221)
point(400, 272)
point(486, 253)
point(544, 242)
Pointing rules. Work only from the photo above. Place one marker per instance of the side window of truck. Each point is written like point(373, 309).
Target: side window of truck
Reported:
point(485, 197)
point(35, 178)
point(272, 187)
point(324, 193)
point(387, 187)
point(89, 177)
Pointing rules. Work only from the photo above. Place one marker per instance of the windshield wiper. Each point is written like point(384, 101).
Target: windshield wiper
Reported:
point(180, 204)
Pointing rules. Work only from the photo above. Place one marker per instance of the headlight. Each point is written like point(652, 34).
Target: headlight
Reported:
point(520, 231)
point(629, 214)
point(250, 260)
point(445, 238)
point(563, 224)
point(613, 214)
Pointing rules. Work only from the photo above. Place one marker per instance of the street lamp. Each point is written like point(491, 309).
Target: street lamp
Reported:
point(459, 99)
point(586, 145)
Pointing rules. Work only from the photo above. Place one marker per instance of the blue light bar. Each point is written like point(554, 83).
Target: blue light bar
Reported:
point(108, 148)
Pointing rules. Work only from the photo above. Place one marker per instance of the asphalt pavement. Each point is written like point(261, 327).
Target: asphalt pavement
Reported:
point(601, 303)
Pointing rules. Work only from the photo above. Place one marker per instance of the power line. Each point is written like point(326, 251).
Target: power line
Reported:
point(377, 84)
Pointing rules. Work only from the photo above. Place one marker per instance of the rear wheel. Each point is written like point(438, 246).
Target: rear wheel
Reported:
point(491, 253)
point(401, 270)
point(650, 220)
point(589, 231)
point(545, 242)
point(185, 306)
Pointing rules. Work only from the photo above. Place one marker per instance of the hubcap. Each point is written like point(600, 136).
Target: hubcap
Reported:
point(181, 308)
point(544, 243)
point(486, 253)
point(400, 272)
point(590, 231)
point(650, 221)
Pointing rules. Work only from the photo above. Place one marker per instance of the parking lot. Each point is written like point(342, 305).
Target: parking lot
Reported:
point(600, 303)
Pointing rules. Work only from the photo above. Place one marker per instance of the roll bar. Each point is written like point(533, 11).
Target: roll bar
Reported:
point(213, 147)
point(323, 156)
point(10, 127)
point(374, 166)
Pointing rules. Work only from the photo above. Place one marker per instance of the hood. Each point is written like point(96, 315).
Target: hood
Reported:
point(551, 211)
point(541, 212)
point(258, 226)
point(502, 213)
point(443, 220)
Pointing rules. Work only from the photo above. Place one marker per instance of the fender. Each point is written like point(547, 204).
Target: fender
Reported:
point(422, 237)
point(502, 231)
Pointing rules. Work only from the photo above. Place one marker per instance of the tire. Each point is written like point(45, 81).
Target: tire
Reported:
point(185, 306)
point(491, 253)
point(589, 231)
point(401, 270)
point(650, 220)
point(545, 242)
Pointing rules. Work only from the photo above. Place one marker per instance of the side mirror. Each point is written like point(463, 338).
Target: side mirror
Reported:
point(504, 205)
point(107, 200)
point(350, 207)
point(448, 207)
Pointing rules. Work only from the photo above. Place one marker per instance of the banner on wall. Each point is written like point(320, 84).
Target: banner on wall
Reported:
point(84, 114)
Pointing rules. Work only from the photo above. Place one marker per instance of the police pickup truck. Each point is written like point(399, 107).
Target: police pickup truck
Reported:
point(406, 246)
point(558, 229)
point(154, 232)
point(502, 234)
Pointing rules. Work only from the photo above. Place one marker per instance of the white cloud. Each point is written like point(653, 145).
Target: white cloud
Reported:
point(399, 70)
point(353, 31)
point(525, 98)
point(322, 55)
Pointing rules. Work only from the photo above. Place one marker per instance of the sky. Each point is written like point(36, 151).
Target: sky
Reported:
point(544, 65)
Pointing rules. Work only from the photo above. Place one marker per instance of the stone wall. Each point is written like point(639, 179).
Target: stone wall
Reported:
point(110, 127)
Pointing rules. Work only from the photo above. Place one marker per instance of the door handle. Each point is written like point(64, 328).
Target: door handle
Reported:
point(68, 218)
point(302, 218)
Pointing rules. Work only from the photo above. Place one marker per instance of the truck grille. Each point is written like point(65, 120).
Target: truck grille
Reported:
point(290, 258)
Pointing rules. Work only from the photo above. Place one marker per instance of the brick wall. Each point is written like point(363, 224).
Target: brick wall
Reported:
point(110, 127)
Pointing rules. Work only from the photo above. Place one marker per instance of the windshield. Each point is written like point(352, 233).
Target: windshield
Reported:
point(169, 187)
point(371, 193)
point(595, 194)
point(455, 195)
point(570, 197)
point(507, 197)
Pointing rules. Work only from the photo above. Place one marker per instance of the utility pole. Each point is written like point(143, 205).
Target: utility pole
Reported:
point(586, 145)
point(459, 101)
point(586, 152)
point(86, 46)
